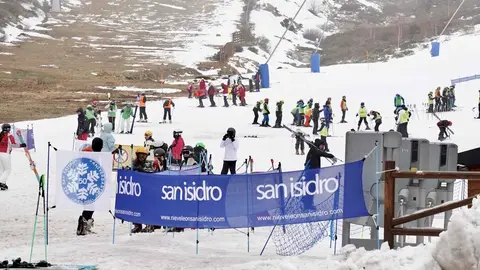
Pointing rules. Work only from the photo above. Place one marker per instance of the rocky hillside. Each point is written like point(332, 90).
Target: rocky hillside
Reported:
point(20, 14)
point(347, 31)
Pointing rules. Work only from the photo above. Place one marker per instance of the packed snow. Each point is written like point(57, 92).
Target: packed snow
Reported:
point(136, 89)
point(375, 84)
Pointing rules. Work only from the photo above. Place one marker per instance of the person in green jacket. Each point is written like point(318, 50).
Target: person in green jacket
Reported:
point(126, 113)
point(91, 120)
point(112, 113)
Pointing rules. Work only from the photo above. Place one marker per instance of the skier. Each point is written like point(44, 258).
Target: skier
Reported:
point(295, 113)
point(159, 163)
point(234, 93)
point(231, 147)
point(149, 141)
point(107, 138)
point(398, 101)
point(257, 81)
point(301, 113)
point(190, 89)
point(167, 110)
point(452, 91)
point(324, 133)
point(438, 99)
point(143, 108)
point(315, 153)
point(91, 120)
point(241, 95)
point(299, 141)
point(250, 85)
point(279, 114)
point(430, 102)
point(177, 146)
point(211, 95)
point(445, 100)
point(402, 121)
point(266, 113)
point(308, 116)
point(112, 113)
point(377, 118)
point(442, 125)
point(7, 142)
point(126, 113)
point(225, 95)
point(85, 221)
point(344, 108)
point(327, 112)
point(362, 113)
point(256, 109)
point(188, 156)
point(315, 117)
point(82, 125)
point(201, 155)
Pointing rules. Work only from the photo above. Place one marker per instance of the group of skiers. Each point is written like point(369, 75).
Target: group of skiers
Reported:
point(443, 101)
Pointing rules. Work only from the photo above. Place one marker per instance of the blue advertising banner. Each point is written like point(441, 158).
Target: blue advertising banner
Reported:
point(242, 200)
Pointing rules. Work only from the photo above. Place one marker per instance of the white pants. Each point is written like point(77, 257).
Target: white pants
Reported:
point(125, 125)
point(5, 167)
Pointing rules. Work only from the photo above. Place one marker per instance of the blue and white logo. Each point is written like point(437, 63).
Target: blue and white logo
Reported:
point(83, 146)
point(83, 180)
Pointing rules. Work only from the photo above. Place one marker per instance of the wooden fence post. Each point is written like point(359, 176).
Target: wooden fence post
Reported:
point(389, 201)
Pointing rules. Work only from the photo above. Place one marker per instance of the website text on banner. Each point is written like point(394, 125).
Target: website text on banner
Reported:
point(242, 200)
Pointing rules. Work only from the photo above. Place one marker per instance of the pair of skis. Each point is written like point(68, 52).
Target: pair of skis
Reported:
point(29, 157)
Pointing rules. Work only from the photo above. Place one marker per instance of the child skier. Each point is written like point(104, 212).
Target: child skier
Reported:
point(177, 146)
point(91, 120)
point(82, 125)
point(7, 142)
point(256, 109)
point(377, 118)
point(188, 156)
point(278, 114)
point(201, 155)
point(149, 141)
point(107, 138)
point(430, 102)
point(362, 113)
point(143, 108)
point(324, 133)
point(315, 117)
point(112, 113)
point(398, 101)
point(443, 125)
point(126, 113)
point(266, 113)
point(167, 110)
point(299, 136)
point(308, 116)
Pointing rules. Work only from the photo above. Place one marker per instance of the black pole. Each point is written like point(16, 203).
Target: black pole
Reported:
point(133, 122)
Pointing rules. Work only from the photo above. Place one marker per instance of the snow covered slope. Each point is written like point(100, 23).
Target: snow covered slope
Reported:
point(374, 84)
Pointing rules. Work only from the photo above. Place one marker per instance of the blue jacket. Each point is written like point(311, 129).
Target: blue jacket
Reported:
point(107, 137)
point(326, 112)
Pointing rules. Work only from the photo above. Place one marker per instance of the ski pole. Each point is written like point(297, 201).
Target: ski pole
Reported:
point(243, 164)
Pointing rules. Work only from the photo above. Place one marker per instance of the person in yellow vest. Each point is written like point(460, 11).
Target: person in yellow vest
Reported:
point(324, 133)
point(266, 114)
point(362, 113)
point(308, 116)
point(377, 118)
point(402, 121)
point(430, 102)
point(452, 91)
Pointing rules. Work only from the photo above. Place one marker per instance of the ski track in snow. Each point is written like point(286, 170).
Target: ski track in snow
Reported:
point(374, 84)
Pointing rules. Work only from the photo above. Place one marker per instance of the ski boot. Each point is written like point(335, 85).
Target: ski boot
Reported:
point(368, 128)
point(81, 226)
point(3, 186)
point(296, 152)
point(148, 229)
point(170, 121)
point(302, 153)
point(137, 228)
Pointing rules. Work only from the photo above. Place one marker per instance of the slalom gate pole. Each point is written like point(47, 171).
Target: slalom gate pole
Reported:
point(248, 210)
point(133, 121)
point(198, 210)
point(35, 221)
point(45, 211)
point(119, 151)
point(131, 168)
point(336, 199)
point(377, 159)
point(48, 189)
point(73, 141)
point(288, 200)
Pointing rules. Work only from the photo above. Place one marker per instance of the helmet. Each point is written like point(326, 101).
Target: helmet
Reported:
point(6, 127)
point(148, 133)
point(187, 150)
point(94, 103)
point(159, 152)
point(177, 132)
point(266, 100)
point(281, 102)
point(200, 145)
point(157, 144)
point(310, 100)
point(231, 131)
point(344, 97)
point(142, 150)
point(362, 104)
point(112, 102)
point(452, 86)
point(371, 112)
point(260, 101)
point(430, 93)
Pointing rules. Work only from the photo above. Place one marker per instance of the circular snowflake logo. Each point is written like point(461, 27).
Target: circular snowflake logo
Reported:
point(83, 180)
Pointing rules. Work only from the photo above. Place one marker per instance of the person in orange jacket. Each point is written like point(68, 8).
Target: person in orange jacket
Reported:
point(308, 116)
point(344, 108)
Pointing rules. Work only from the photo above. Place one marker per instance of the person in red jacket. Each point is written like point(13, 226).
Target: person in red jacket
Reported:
point(241, 94)
point(225, 95)
point(211, 95)
point(203, 85)
point(7, 142)
point(201, 94)
point(443, 125)
point(177, 146)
